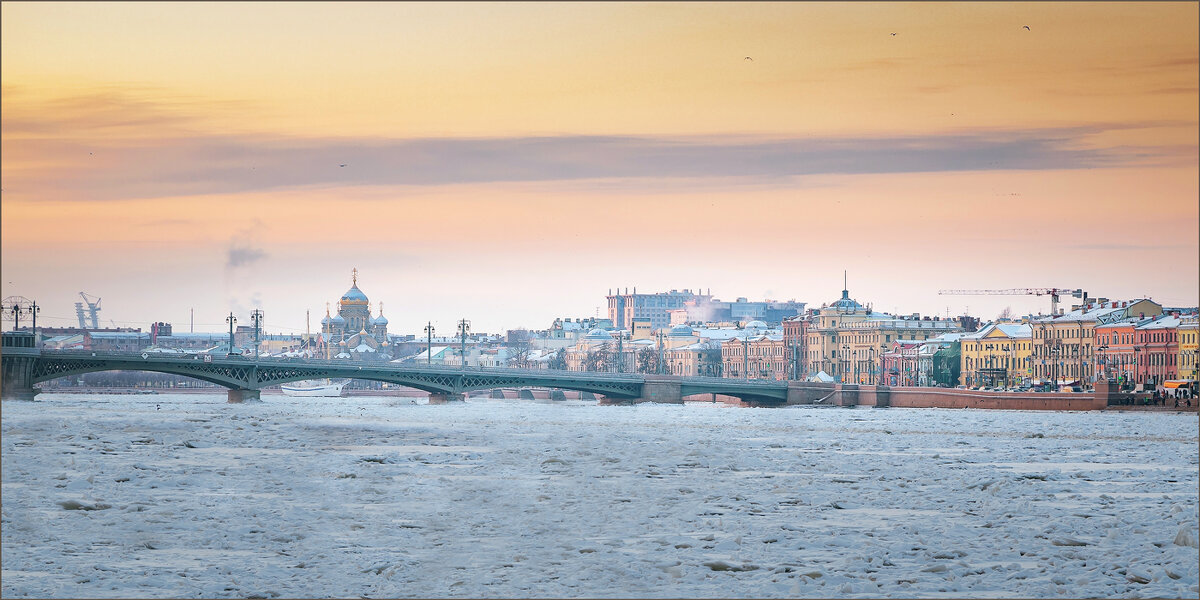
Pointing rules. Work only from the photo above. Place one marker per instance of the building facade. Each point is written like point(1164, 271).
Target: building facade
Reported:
point(848, 340)
point(1187, 347)
point(352, 332)
point(997, 355)
point(623, 308)
point(1064, 345)
point(1158, 351)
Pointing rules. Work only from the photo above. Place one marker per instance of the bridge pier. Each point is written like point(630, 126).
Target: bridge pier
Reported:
point(16, 382)
point(445, 397)
point(661, 389)
point(238, 396)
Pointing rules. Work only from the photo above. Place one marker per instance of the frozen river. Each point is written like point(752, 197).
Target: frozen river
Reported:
point(185, 495)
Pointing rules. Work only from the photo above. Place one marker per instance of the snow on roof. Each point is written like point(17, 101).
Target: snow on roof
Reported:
point(435, 351)
point(1096, 311)
point(947, 338)
point(1011, 330)
point(1166, 322)
point(185, 335)
point(119, 335)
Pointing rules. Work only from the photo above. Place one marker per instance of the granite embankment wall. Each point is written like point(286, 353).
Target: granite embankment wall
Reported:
point(1105, 397)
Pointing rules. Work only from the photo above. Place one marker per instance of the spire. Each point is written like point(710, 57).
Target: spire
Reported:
point(845, 286)
point(381, 308)
point(354, 276)
point(326, 310)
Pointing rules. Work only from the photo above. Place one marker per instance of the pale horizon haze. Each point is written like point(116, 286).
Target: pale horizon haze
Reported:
point(510, 163)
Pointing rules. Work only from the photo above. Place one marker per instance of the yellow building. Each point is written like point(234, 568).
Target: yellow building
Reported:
point(997, 355)
point(1063, 345)
point(847, 340)
point(755, 355)
point(1187, 348)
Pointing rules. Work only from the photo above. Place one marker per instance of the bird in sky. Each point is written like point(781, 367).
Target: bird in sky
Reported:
point(749, 59)
point(1027, 28)
point(341, 165)
point(893, 34)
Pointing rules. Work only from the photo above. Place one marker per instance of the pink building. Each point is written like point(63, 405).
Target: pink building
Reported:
point(1156, 351)
point(901, 363)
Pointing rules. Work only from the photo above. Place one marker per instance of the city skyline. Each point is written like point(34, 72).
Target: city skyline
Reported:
point(511, 163)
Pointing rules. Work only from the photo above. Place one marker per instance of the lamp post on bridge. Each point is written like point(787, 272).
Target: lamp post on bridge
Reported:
point(429, 343)
point(256, 315)
point(659, 365)
point(745, 354)
point(464, 326)
point(231, 320)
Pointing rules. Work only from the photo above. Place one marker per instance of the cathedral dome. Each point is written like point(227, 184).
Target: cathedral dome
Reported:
point(756, 325)
point(337, 320)
point(598, 334)
point(681, 331)
point(354, 296)
point(380, 320)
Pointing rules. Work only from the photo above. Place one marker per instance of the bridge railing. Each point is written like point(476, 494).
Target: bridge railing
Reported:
point(401, 367)
point(334, 364)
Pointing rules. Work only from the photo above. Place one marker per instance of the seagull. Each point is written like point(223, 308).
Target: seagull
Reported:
point(893, 35)
point(749, 59)
point(342, 165)
point(1027, 28)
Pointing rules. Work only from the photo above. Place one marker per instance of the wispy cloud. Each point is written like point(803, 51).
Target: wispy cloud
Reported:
point(240, 256)
point(97, 148)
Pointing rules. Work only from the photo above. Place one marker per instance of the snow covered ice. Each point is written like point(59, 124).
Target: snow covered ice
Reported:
point(185, 496)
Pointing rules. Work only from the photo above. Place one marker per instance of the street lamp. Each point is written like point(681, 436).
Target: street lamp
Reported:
point(464, 327)
point(1137, 365)
point(429, 343)
point(231, 320)
point(658, 368)
point(256, 315)
point(845, 366)
point(745, 354)
point(1103, 367)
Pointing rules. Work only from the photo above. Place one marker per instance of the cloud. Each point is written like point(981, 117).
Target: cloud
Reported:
point(240, 256)
point(89, 149)
point(1129, 247)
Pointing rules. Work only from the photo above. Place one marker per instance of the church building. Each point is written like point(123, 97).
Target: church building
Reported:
point(352, 333)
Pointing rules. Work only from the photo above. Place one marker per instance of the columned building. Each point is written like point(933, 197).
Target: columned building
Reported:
point(848, 340)
point(1064, 345)
point(997, 355)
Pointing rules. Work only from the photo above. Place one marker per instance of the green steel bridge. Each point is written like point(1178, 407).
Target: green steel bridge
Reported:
point(245, 376)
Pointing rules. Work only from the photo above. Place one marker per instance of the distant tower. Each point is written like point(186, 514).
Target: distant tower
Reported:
point(379, 326)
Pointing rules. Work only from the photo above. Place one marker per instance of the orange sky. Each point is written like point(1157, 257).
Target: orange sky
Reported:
point(512, 162)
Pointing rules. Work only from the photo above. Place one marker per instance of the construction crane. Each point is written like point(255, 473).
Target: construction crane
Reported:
point(93, 309)
point(1054, 294)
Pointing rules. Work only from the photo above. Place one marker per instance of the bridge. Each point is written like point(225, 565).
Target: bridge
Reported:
point(245, 377)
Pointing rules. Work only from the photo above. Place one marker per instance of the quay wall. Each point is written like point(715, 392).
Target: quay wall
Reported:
point(1104, 397)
